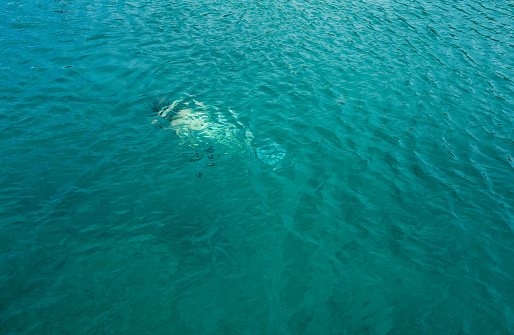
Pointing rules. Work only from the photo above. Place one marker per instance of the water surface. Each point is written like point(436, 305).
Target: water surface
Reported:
point(376, 197)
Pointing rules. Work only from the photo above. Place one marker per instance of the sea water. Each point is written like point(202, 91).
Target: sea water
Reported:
point(377, 196)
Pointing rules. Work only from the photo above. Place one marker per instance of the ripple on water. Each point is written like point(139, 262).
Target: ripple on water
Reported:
point(376, 196)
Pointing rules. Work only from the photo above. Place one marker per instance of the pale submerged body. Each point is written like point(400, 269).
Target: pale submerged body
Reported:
point(201, 127)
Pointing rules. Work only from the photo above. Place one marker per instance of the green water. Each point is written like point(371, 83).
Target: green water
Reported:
point(376, 195)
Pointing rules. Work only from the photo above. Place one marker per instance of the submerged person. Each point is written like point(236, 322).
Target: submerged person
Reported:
point(207, 130)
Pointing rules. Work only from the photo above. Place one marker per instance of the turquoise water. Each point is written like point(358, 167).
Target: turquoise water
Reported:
point(376, 196)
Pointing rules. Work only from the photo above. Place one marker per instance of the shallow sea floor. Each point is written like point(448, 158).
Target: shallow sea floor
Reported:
point(376, 195)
